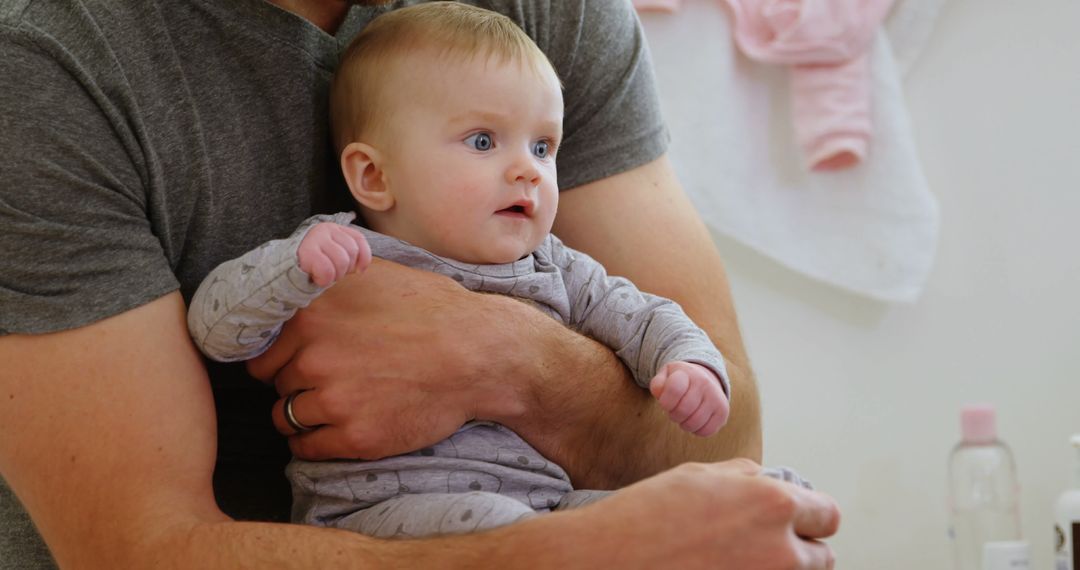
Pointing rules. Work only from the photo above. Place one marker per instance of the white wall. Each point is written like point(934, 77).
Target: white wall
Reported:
point(862, 397)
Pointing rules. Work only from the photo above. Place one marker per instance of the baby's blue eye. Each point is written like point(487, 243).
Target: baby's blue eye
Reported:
point(541, 149)
point(480, 141)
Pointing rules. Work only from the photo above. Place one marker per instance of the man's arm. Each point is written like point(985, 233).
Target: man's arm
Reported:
point(109, 442)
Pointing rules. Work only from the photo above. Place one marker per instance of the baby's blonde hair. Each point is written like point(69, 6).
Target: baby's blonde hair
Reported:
point(452, 30)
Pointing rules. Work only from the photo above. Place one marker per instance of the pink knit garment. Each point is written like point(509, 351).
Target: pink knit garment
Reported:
point(825, 42)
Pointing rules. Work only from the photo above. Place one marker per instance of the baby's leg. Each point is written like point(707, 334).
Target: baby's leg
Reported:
point(577, 499)
point(414, 516)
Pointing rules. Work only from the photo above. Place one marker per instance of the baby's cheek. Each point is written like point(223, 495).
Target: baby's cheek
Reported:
point(447, 228)
point(546, 216)
point(444, 206)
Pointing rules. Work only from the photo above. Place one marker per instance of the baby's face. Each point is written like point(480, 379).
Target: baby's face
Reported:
point(471, 156)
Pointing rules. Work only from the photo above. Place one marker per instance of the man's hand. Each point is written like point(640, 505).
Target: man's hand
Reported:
point(395, 361)
point(720, 516)
point(692, 396)
point(331, 251)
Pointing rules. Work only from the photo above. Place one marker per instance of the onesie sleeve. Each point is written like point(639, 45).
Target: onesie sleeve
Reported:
point(239, 309)
point(645, 331)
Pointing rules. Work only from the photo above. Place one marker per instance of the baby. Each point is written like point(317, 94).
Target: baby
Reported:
point(448, 120)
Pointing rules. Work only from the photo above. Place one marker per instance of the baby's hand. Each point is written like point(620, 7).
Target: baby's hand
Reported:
point(692, 396)
point(329, 251)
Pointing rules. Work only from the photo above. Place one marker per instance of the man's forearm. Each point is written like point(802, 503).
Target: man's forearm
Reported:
point(640, 225)
point(526, 544)
point(586, 413)
point(228, 545)
point(109, 443)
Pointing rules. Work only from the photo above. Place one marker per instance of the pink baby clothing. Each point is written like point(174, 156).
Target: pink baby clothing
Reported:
point(825, 42)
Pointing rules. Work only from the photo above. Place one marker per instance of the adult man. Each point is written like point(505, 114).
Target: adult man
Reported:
point(144, 142)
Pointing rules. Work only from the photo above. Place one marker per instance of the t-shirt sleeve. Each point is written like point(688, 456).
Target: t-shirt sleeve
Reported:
point(613, 121)
point(76, 241)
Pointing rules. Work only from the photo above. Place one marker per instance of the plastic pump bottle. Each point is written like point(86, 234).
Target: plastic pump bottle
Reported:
point(1067, 519)
point(984, 497)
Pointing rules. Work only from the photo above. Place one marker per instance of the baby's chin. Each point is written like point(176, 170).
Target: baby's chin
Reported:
point(476, 250)
point(494, 259)
point(495, 256)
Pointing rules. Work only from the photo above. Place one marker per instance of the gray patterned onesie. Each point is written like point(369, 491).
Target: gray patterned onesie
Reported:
point(484, 475)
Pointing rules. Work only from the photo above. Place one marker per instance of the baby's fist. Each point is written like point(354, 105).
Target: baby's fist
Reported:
point(692, 396)
point(330, 251)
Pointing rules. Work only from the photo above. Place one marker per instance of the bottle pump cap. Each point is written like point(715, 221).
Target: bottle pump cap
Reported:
point(977, 423)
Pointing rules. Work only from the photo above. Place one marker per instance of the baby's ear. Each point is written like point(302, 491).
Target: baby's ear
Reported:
point(362, 165)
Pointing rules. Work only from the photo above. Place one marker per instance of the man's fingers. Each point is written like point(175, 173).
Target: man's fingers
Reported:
point(304, 410)
point(815, 555)
point(268, 364)
point(739, 465)
point(288, 379)
point(327, 442)
point(816, 515)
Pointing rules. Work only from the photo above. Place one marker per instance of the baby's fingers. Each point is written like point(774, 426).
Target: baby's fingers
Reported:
point(716, 401)
point(673, 388)
point(698, 419)
point(658, 382)
point(339, 258)
point(716, 421)
point(355, 245)
point(320, 268)
point(348, 245)
point(691, 400)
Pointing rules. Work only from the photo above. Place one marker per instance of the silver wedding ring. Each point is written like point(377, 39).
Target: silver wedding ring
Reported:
point(290, 418)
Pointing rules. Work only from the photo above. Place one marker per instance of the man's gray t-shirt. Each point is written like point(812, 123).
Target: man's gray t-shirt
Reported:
point(144, 142)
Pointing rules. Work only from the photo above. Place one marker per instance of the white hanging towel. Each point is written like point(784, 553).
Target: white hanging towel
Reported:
point(871, 229)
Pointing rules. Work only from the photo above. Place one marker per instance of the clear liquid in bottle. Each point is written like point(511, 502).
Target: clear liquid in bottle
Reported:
point(984, 498)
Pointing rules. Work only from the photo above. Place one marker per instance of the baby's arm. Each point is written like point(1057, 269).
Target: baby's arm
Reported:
point(664, 350)
point(239, 308)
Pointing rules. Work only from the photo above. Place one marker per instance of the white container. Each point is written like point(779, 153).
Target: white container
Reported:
point(984, 495)
point(1007, 555)
point(1067, 520)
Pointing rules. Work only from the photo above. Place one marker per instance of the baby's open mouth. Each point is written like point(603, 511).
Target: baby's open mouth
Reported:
point(516, 211)
point(521, 209)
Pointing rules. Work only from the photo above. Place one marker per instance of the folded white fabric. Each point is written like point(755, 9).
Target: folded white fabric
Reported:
point(871, 229)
